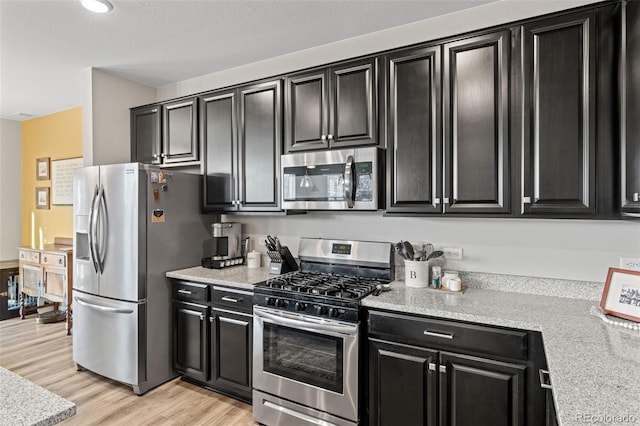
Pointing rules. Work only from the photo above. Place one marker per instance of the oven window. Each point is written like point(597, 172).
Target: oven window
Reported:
point(310, 358)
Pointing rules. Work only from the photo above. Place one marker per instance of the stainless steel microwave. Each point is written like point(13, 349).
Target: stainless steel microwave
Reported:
point(345, 179)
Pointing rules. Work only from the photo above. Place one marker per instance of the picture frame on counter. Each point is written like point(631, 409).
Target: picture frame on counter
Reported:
point(42, 168)
point(621, 295)
point(42, 198)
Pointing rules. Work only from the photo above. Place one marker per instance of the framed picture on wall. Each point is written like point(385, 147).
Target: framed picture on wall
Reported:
point(42, 198)
point(621, 295)
point(42, 168)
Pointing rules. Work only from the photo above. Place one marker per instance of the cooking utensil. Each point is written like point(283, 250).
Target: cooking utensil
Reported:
point(398, 249)
point(407, 249)
point(435, 254)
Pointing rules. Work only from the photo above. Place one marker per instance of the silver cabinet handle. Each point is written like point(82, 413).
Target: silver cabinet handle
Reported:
point(184, 291)
point(545, 384)
point(635, 197)
point(526, 200)
point(445, 200)
point(436, 201)
point(432, 366)
point(231, 299)
point(323, 138)
point(330, 137)
point(443, 368)
point(440, 335)
point(348, 180)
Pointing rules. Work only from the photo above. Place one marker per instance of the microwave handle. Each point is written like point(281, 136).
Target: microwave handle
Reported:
point(348, 181)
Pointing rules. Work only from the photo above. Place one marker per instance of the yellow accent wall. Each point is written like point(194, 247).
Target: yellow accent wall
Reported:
point(57, 136)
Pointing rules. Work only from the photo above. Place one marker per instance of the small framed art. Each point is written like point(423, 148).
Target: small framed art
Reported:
point(621, 295)
point(42, 198)
point(42, 168)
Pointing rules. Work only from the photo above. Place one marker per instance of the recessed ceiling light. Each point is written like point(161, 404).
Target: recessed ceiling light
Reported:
point(98, 6)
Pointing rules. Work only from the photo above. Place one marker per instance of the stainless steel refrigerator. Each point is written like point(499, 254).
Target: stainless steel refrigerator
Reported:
point(132, 223)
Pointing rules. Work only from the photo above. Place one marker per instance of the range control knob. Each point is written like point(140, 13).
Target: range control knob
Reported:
point(321, 310)
point(271, 301)
point(300, 306)
point(279, 303)
point(334, 312)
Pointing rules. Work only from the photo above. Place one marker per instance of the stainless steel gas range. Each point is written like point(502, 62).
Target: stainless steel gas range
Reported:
point(307, 345)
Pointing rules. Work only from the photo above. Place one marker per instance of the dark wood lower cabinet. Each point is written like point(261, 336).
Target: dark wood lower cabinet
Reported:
point(479, 391)
point(190, 339)
point(231, 352)
point(402, 389)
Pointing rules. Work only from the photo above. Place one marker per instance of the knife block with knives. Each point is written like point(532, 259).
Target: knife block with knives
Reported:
point(282, 260)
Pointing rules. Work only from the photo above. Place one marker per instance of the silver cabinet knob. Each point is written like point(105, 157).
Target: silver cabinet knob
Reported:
point(635, 197)
point(323, 138)
point(330, 137)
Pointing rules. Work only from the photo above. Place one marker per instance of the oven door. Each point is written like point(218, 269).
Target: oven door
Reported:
point(311, 361)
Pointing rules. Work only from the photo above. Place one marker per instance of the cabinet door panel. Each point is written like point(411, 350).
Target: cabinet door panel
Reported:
point(559, 132)
point(476, 120)
point(260, 145)
point(307, 111)
point(180, 137)
point(190, 340)
point(219, 135)
point(145, 134)
point(630, 108)
point(353, 104)
point(415, 155)
point(481, 392)
point(231, 352)
point(402, 387)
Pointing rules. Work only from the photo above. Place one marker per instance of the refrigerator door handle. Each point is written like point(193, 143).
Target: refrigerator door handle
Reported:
point(102, 308)
point(101, 213)
point(92, 226)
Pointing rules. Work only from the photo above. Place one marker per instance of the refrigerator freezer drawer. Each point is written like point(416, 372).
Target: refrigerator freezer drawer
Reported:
point(108, 337)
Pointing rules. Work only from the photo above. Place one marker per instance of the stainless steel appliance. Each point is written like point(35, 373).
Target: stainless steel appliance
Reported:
point(346, 179)
point(132, 223)
point(307, 333)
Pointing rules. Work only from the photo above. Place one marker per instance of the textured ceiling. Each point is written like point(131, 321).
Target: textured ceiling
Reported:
point(44, 45)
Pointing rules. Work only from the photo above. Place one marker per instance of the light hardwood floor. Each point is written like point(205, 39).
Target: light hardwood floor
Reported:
point(42, 353)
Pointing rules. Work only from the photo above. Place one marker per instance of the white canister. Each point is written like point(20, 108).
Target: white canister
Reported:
point(448, 275)
point(416, 273)
point(253, 259)
point(454, 284)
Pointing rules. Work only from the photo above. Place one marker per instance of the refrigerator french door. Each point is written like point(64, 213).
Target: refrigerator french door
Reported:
point(132, 224)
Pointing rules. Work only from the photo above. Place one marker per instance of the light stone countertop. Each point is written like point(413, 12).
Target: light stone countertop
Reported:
point(25, 403)
point(594, 366)
point(234, 276)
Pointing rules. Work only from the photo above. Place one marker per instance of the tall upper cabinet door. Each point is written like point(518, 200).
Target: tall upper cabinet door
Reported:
point(307, 114)
point(558, 170)
point(476, 124)
point(414, 131)
point(630, 108)
point(218, 132)
point(180, 131)
point(353, 119)
point(260, 145)
point(145, 134)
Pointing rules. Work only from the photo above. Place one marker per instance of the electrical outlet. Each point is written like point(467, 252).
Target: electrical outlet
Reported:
point(630, 263)
point(453, 253)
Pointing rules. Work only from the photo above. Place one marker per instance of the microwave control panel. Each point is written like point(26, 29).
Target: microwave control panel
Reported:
point(364, 179)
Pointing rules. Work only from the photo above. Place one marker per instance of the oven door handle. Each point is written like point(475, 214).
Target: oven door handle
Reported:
point(306, 322)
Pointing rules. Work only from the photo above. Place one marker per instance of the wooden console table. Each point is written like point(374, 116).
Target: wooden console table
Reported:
point(47, 274)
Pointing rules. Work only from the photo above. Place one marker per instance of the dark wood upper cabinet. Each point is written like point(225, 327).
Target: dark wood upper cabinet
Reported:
point(414, 154)
point(559, 146)
point(476, 87)
point(260, 146)
point(630, 108)
point(332, 107)
point(218, 132)
point(180, 131)
point(146, 131)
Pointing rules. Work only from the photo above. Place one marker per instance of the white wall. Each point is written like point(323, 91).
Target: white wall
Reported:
point(10, 195)
point(479, 17)
point(106, 103)
point(567, 249)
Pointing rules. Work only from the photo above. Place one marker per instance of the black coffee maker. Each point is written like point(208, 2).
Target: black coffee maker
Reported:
point(225, 248)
